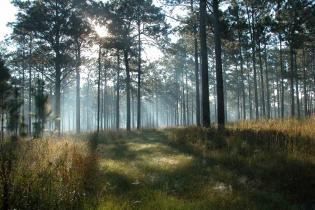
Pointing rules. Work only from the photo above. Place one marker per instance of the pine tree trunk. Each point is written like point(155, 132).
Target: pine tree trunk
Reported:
point(187, 102)
point(297, 87)
point(99, 89)
point(267, 84)
point(262, 85)
point(132, 110)
point(183, 100)
point(239, 33)
point(292, 80)
point(57, 93)
point(30, 89)
point(105, 98)
point(87, 103)
point(278, 99)
point(304, 85)
point(282, 78)
point(253, 45)
point(196, 66)
point(204, 64)
point(23, 95)
point(218, 65)
point(249, 94)
point(126, 60)
point(2, 119)
point(57, 83)
point(117, 93)
point(139, 80)
point(103, 108)
point(78, 63)
point(238, 93)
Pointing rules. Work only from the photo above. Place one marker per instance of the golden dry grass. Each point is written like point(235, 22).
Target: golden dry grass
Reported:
point(268, 164)
point(291, 126)
point(48, 173)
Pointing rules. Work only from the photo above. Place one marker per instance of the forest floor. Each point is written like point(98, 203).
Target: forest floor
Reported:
point(153, 170)
point(266, 164)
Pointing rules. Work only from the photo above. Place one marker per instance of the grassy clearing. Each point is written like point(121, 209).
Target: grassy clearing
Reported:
point(251, 165)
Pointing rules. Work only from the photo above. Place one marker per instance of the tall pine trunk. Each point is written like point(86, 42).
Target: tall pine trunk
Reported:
point(196, 66)
point(204, 64)
point(184, 120)
point(77, 69)
point(57, 93)
point(99, 89)
point(282, 78)
point(218, 65)
point(126, 60)
point(262, 85)
point(239, 33)
point(30, 88)
point(139, 80)
point(57, 82)
point(304, 84)
point(267, 84)
point(297, 86)
point(117, 92)
point(292, 80)
point(253, 46)
point(249, 92)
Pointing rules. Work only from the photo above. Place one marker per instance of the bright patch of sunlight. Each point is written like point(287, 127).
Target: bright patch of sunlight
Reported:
point(166, 162)
point(7, 14)
point(138, 146)
point(171, 160)
point(122, 167)
point(157, 155)
point(101, 30)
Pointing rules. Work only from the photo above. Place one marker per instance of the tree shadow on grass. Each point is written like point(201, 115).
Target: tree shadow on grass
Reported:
point(246, 172)
point(272, 169)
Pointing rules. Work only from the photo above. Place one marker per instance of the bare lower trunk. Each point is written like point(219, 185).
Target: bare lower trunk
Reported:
point(204, 65)
point(262, 85)
point(218, 66)
point(126, 59)
point(253, 46)
point(139, 80)
point(2, 121)
point(304, 85)
point(292, 80)
point(282, 79)
point(196, 67)
point(297, 87)
point(30, 90)
point(267, 84)
point(98, 90)
point(117, 92)
point(78, 61)
point(57, 99)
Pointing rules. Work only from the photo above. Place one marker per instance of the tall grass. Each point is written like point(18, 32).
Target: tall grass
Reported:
point(267, 164)
point(48, 173)
point(271, 162)
point(296, 137)
point(291, 126)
